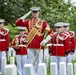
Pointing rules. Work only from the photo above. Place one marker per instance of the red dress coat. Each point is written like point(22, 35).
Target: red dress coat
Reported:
point(30, 23)
point(72, 40)
point(4, 39)
point(21, 43)
point(60, 44)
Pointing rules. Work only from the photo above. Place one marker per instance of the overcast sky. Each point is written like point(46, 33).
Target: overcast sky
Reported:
point(72, 1)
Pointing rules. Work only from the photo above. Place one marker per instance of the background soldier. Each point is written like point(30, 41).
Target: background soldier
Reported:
point(72, 42)
point(34, 45)
point(60, 45)
point(19, 44)
point(4, 41)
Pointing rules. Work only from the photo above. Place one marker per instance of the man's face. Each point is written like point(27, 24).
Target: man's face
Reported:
point(22, 32)
point(59, 29)
point(35, 14)
point(66, 28)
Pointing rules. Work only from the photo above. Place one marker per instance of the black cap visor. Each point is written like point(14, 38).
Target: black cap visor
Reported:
point(21, 30)
point(65, 26)
point(58, 27)
point(34, 11)
point(1, 22)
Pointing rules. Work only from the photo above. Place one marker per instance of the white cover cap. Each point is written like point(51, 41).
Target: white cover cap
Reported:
point(35, 9)
point(22, 28)
point(59, 24)
point(2, 20)
point(66, 24)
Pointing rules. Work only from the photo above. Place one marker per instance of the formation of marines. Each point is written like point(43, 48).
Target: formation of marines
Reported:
point(35, 33)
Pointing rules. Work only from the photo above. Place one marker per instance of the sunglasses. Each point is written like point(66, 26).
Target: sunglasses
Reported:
point(34, 11)
point(0, 22)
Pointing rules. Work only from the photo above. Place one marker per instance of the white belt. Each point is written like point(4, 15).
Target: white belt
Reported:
point(2, 40)
point(58, 44)
point(49, 45)
point(22, 45)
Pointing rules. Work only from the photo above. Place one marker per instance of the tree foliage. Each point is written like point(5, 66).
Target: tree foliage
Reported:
point(51, 10)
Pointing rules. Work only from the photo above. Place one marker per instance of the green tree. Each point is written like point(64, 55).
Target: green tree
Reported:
point(51, 10)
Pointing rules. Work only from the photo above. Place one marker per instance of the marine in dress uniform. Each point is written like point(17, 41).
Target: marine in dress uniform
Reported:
point(19, 45)
point(72, 43)
point(71, 36)
point(60, 46)
point(34, 45)
point(4, 41)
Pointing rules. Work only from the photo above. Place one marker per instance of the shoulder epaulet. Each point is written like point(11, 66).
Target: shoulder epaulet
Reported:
point(71, 34)
point(16, 37)
point(66, 32)
point(6, 31)
point(65, 36)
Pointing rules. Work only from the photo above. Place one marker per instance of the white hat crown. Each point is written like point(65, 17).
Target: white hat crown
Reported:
point(66, 24)
point(21, 28)
point(59, 24)
point(2, 20)
point(35, 8)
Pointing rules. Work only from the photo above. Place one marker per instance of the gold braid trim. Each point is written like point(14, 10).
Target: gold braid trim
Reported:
point(33, 31)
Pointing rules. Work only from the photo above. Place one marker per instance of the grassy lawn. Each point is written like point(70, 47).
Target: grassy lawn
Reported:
point(48, 71)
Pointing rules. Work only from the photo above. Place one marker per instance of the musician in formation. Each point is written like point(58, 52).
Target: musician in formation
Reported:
point(72, 43)
point(29, 46)
point(60, 46)
point(36, 26)
point(19, 45)
point(4, 42)
point(71, 35)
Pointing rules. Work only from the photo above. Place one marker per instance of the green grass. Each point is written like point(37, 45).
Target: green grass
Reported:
point(48, 71)
point(73, 61)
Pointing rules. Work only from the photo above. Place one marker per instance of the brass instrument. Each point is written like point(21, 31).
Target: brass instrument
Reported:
point(17, 43)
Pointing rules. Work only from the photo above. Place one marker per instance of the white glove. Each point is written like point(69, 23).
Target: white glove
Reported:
point(46, 40)
point(23, 17)
point(43, 42)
